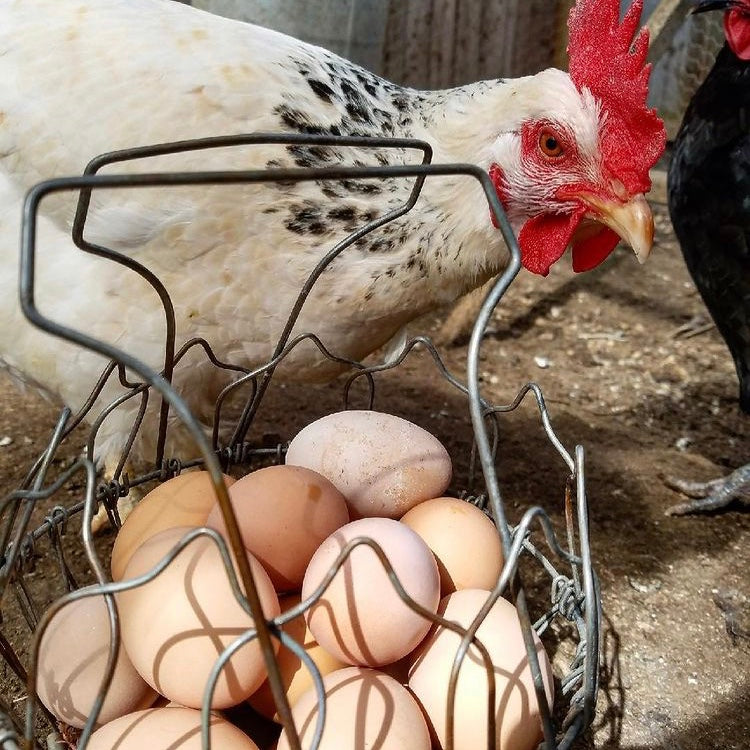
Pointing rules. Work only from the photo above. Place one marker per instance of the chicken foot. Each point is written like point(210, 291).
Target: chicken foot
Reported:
point(696, 326)
point(710, 496)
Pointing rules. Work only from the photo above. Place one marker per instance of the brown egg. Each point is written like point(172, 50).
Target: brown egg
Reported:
point(284, 513)
point(176, 626)
point(295, 676)
point(516, 709)
point(382, 464)
point(184, 500)
point(72, 662)
point(365, 710)
point(463, 539)
point(168, 728)
point(360, 618)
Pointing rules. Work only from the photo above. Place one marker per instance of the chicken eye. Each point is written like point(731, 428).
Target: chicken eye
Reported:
point(549, 144)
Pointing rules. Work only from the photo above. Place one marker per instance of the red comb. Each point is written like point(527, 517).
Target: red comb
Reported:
point(608, 58)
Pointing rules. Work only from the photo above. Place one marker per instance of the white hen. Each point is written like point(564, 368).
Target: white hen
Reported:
point(568, 154)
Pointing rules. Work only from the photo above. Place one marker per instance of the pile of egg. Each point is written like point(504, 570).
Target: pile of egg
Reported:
point(385, 667)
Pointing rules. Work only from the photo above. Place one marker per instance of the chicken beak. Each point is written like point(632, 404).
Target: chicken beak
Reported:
point(632, 221)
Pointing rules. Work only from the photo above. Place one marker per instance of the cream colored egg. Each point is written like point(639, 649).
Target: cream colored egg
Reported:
point(284, 513)
point(184, 500)
point(382, 464)
point(463, 539)
point(176, 626)
point(365, 710)
point(360, 617)
point(169, 728)
point(295, 676)
point(73, 658)
point(518, 724)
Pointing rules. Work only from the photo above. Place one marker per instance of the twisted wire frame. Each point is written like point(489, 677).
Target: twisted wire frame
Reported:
point(574, 594)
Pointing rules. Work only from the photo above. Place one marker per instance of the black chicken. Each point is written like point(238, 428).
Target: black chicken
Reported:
point(709, 202)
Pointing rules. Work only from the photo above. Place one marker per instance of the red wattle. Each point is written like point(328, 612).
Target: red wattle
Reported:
point(544, 238)
point(737, 30)
point(589, 253)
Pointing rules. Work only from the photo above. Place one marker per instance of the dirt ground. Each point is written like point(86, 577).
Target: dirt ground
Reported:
point(645, 403)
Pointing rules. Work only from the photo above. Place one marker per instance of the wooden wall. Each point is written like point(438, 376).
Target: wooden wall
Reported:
point(441, 43)
point(425, 43)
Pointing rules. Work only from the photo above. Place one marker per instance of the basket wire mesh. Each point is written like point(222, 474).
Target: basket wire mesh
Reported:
point(575, 596)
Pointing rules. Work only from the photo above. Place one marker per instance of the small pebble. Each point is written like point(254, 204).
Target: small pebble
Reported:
point(6, 440)
point(645, 587)
point(683, 443)
point(541, 362)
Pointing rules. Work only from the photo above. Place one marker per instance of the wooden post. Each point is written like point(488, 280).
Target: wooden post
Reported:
point(441, 43)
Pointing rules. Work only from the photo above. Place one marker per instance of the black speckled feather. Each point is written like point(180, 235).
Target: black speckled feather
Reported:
point(709, 202)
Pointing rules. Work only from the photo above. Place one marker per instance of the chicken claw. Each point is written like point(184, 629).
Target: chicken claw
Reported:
point(696, 326)
point(709, 496)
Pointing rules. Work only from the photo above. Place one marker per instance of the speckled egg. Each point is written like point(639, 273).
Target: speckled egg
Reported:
point(382, 464)
point(284, 513)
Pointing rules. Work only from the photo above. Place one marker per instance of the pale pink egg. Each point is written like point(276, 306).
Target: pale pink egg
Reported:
point(169, 728)
point(365, 709)
point(360, 617)
point(518, 726)
point(73, 658)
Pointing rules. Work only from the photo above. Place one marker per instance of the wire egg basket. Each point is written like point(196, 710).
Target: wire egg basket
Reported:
point(72, 494)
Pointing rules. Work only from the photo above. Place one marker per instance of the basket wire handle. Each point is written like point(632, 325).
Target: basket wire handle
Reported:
point(490, 474)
